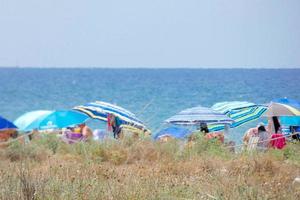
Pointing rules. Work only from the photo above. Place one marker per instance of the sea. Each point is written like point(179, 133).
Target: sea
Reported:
point(152, 94)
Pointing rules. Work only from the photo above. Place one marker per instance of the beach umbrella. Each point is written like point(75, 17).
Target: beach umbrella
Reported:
point(174, 132)
point(30, 119)
point(283, 107)
point(59, 119)
point(5, 124)
point(240, 111)
point(198, 115)
point(100, 110)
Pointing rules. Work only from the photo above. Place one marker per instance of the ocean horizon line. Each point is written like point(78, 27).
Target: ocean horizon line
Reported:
point(149, 68)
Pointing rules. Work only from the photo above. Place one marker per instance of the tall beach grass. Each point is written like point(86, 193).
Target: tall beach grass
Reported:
point(141, 169)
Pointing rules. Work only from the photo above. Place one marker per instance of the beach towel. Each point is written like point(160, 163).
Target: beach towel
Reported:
point(72, 137)
point(278, 143)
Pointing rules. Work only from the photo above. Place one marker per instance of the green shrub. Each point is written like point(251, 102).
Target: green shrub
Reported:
point(50, 141)
point(17, 151)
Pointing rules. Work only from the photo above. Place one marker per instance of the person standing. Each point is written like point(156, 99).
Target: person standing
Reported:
point(116, 125)
point(277, 126)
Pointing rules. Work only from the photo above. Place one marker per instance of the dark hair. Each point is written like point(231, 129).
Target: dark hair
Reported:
point(276, 123)
point(261, 128)
point(203, 127)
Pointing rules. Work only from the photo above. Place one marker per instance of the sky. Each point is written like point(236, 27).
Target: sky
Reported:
point(150, 33)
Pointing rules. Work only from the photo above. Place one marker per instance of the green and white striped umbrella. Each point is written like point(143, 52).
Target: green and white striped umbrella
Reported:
point(240, 111)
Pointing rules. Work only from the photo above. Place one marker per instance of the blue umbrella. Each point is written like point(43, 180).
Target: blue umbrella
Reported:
point(198, 115)
point(59, 119)
point(175, 132)
point(5, 124)
point(31, 119)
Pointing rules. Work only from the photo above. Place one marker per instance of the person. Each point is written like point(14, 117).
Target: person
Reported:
point(72, 135)
point(214, 135)
point(276, 124)
point(252, 132)
point(109, 122)
point(116, 126)
point(294, 131)
point(79, 133)
point(34, 134)
point(264, 137)
point(5, 135)
point(278, 141)
point(204, 128)
point(165, 138)
point(219, 135)
point(85, 131)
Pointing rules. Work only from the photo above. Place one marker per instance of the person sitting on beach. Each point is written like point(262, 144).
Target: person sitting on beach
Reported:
point(203, 128)
point(278, 141)
point(295, 130)
point(264, 137)
point(219, 135)
point(77, 134)
point(85, 131)
point(214, 135)
point(252, 132)
point(165, 138)
point(5, 135)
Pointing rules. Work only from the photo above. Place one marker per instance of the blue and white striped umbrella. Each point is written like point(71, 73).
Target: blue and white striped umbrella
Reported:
point(198, 115)
point(240, 111)
point(100, 110)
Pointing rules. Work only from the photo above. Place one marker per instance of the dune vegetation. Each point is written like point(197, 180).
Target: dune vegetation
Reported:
point(47, 168)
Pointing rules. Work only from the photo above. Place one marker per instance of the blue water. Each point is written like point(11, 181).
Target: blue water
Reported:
point(166, 91)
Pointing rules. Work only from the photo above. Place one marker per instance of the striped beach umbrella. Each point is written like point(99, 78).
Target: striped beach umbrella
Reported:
point(240, 111)
point(198, 115)
point(100, 110)
point(283, 107)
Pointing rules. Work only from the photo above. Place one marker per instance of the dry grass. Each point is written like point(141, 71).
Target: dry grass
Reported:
point(141, 169)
